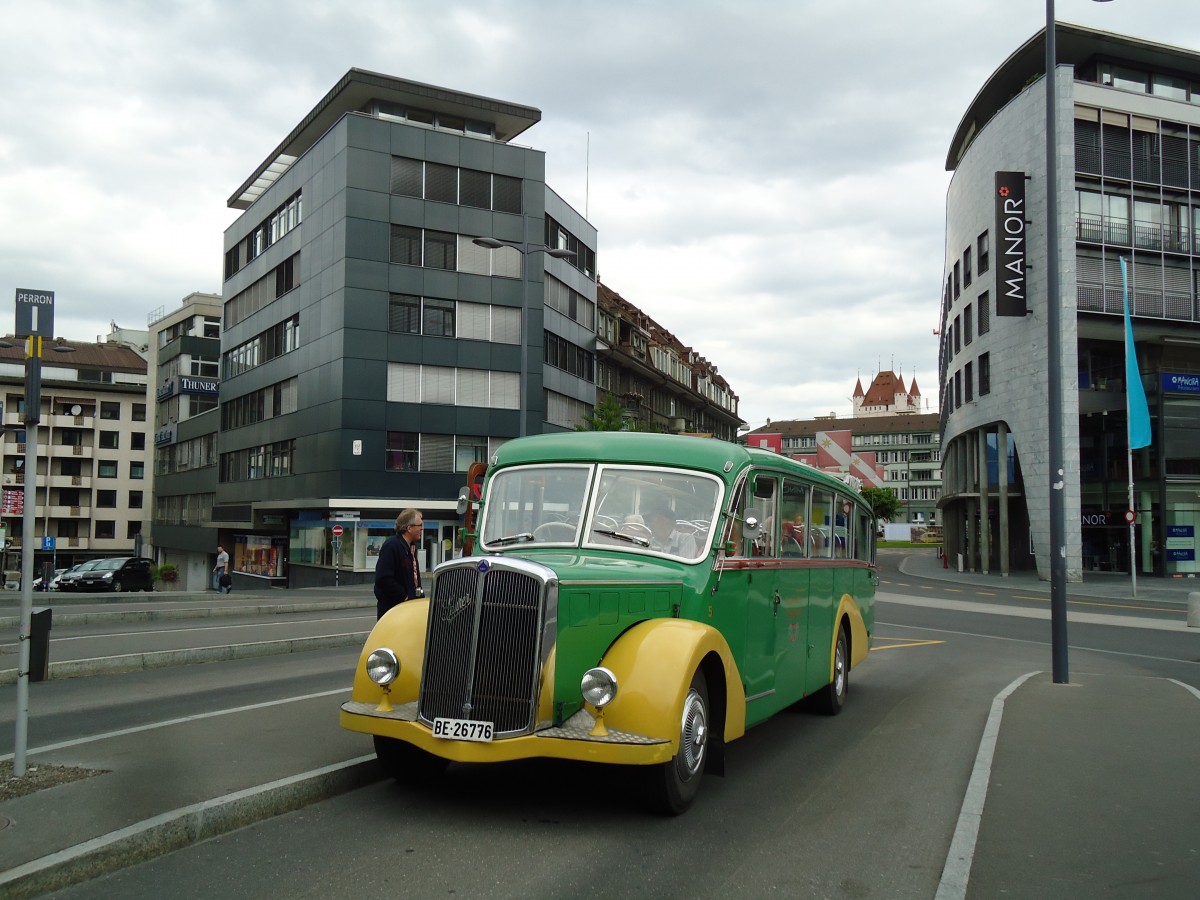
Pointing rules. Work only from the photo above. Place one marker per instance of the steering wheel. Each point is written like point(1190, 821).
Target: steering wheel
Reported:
point(637, 529)
point(554, 531)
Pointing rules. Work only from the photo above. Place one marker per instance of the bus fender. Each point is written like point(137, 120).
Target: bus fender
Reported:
point(860, 643)
point(654, 662)
point(401, 630)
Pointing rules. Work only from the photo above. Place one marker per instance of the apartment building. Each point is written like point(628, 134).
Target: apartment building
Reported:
point(91, 489)
point(1127, 146)
point(184, 364)
point(663, 384)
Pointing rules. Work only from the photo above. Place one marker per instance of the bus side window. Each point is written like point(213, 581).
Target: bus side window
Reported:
point(841, 528)
point(793, 514)
point(863, 535)
point(765, 496)
point(821, 525)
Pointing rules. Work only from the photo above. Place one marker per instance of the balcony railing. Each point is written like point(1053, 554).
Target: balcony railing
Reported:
point(1093, 229)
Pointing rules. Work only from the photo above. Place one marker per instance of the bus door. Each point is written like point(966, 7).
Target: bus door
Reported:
point(793, 585)
point(757, 568)
point(822, 606)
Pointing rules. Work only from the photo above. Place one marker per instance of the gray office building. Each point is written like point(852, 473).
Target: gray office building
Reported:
point(371, 347)
point(1127, 151)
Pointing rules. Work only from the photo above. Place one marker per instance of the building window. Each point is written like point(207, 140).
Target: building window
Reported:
point(506, 194)
point(106, 529)
point(985, 324)
point(957, 281)
point(109, 440)
point(110, 410)
point(132, 530)
point(440, 247)
point(441, 183)
point(437, 318)
point(406, 176)
point(967, 267)
point(106, 499)
point(106, 468)
point(406, 245)
point(404, 314)
point(401, 454)
point(135, 499)
point(967, 317)
point(137, 469)
point(139, 412)
point(968, 383)
point(983, 252)
point(985, 374)
point(469, 450)
point(138, 440)
point(957, 335)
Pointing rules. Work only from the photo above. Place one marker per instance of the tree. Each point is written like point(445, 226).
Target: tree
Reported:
point(884, 502)
point(610, 415)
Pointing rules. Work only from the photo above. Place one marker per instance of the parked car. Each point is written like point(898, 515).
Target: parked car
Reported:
point(121, 573)
point(69, 580)
point(41, 584)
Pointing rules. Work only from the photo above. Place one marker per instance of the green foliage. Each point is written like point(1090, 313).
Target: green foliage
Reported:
point(166, 573)
point(884, 502)
point(610, 415)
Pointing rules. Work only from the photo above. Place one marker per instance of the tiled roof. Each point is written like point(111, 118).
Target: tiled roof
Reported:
point(111, 356)
point(874, 425)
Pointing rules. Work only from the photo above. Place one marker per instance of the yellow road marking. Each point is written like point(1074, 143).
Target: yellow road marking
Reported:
point(905, 645)
point(1104, 604)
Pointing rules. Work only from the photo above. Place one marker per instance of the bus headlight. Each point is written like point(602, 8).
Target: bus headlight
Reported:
point(382, 666)
point(599, 686)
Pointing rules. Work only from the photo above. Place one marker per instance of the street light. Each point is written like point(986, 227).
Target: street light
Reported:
point(1057, 469)
point(32, 415)
point(524, 248)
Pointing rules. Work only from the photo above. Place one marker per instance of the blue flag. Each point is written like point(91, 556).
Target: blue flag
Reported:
point(1135, 394)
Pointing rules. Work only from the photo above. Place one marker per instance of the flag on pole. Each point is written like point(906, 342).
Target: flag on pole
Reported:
point(1135, 394)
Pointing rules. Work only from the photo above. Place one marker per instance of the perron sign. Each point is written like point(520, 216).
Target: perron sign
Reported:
point(1010, 240)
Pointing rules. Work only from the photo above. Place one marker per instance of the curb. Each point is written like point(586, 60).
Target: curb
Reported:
point(182, 827)
point(157, 659)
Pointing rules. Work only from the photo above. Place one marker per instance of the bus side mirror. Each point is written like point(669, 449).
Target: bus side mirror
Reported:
point(464, 499)
point(751, 524)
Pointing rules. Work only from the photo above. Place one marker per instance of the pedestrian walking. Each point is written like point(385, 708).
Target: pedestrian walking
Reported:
point(397, 574)
point(222, 579)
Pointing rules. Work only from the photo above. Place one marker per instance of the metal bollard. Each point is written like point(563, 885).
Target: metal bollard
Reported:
point(39, 643)
point(1193, 614)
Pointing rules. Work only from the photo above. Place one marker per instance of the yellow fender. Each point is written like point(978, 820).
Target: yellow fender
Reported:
point(654, 662)
point(401, 630)
point(860, 643)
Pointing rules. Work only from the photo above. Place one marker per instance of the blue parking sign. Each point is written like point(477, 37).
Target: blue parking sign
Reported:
point(48, 542)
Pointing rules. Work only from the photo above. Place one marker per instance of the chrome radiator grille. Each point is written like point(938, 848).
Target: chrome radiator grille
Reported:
point(491, 625)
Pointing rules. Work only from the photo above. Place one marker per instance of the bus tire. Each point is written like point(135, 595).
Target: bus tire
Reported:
point(674, 785)
point(407, 764)
point(831, 698)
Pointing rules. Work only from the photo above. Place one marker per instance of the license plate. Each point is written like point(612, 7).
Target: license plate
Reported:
point(462, 730)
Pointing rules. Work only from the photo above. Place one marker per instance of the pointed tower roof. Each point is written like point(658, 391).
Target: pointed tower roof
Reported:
point(858, 389)
point(914, 391)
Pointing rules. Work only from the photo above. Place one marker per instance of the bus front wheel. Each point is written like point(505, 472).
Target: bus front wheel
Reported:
point(674, 784)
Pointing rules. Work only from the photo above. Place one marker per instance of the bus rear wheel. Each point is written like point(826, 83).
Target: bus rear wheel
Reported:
point(831, 698)
point(674, 785)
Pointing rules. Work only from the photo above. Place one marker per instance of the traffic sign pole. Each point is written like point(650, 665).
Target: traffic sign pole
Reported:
point(336, 544)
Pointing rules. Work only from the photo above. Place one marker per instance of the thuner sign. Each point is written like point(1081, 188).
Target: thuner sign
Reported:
point(1010, 241)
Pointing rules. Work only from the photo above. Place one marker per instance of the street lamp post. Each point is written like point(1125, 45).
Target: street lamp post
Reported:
point(524, 248)
point(1057, 469)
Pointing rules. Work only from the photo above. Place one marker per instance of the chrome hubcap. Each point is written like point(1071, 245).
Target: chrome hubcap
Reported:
point(693, 738)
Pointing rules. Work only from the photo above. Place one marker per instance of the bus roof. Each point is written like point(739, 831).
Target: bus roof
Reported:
point(645, 448)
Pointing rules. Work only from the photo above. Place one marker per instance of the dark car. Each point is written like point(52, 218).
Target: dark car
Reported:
point(69, 580)
point(121, 573)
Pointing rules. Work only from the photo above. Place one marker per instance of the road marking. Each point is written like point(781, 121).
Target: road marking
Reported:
point(957, 871)
point(179, 721)
point(152, 632)
point(905, 644)
point(1024, 612)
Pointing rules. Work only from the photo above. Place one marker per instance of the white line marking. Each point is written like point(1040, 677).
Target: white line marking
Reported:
point(957, 870)
point(62, 745)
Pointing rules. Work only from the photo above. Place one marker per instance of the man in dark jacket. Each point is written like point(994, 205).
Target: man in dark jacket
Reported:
point(397, 575)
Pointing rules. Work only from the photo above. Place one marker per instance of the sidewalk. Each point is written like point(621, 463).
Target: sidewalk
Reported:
point(1095, 585)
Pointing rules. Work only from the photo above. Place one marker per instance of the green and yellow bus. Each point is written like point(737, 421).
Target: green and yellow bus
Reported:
point(637, 599)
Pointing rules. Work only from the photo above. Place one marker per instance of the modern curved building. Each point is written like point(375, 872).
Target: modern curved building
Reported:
point(1128, 187)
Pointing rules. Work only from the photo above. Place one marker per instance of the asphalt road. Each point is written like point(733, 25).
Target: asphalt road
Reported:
point(861, 805)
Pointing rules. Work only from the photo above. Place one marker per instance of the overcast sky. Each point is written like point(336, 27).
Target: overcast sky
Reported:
point(767, 178)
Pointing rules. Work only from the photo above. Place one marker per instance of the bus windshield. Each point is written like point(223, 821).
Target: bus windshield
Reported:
point(650, 510)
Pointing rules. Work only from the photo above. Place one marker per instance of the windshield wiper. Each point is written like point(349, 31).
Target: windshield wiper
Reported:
point(620, 535)
point(524, 536)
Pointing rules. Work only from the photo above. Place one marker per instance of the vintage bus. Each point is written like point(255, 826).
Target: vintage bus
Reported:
point(638, 599)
